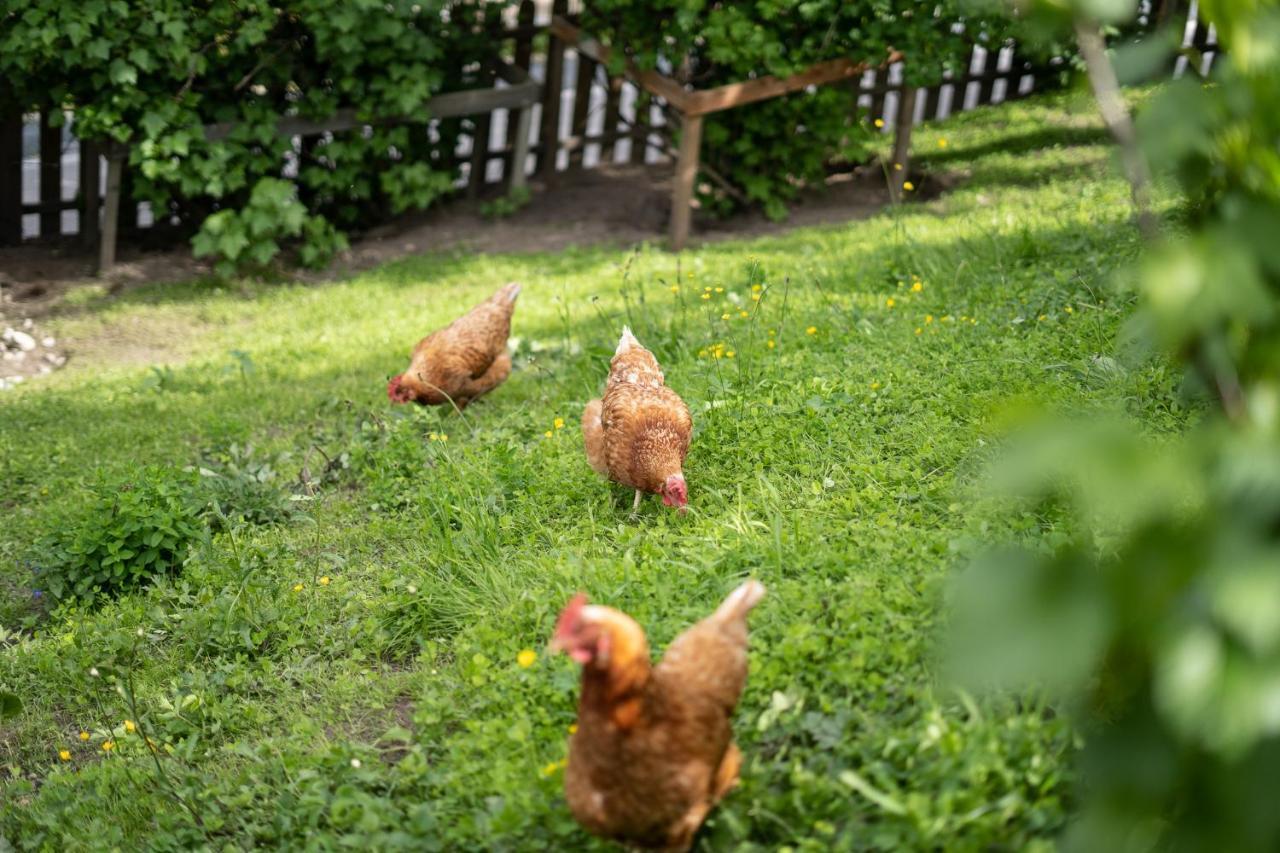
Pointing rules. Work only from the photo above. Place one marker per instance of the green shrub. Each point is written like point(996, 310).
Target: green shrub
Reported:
point(771, 149)
point(152, 73)
point(128, 534)
point(239, 484)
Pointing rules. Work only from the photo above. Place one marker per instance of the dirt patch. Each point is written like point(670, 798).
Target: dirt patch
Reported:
point(25, 350)
point(610, 206)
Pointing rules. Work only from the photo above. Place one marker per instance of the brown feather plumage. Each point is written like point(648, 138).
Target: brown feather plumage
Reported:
point(654, 752)
point(462, 361)
point(638, 433)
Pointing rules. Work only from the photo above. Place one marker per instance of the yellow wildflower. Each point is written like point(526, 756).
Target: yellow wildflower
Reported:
point(527, 658)
point(297, 587)
point(729, 354)
point(108, 745)
point(889, 303)
point(324, 581)
point(706, 289)
point(551, 768)
point(573, 728)
point(897, 167)
point(130, 727)
point(444, 436)
point(744, 314)
point(879, 122)
point(84, 736)
point(771, 344)
point(928, 318)
point(706, 296)
point(675, 288)
point(1069, 310)
point(548, 433)
point(755, 288)
point(755, 297)
point(559, 423)
point(916, 287)
point(812, 330)
point(942, 143)
point(719, 290)
point(908, 186)
point(875, 386)
point(1041, 318)
point(724, 316)
point(64, 754)
point(919, 331)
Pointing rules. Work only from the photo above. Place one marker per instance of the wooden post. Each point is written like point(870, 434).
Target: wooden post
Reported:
point(50, 176)
point(89, 193)
point(686, 176)
point(549, 147)
point(516, 177)
point(111, 210)
point(11, 179)
point(902, 140)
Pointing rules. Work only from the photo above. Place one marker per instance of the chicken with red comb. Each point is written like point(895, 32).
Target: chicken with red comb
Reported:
point(653, 751)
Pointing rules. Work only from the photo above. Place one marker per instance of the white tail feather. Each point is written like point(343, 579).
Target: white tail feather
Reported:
point(626, 342)
point(740, 601)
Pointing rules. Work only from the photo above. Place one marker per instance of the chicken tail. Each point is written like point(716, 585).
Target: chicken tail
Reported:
point(740, 601)
point(507, 294)
point(626, 342)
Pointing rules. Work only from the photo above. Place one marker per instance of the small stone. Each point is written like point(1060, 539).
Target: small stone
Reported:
point(27, 323)
point(22, 340)
point(47, 342)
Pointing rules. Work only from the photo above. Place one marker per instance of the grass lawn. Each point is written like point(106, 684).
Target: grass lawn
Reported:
point(837, 440)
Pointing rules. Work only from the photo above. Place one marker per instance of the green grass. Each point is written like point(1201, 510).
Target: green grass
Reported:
point(837, 468)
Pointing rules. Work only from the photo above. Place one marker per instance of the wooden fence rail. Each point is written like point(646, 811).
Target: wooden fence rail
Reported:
point(583, 118)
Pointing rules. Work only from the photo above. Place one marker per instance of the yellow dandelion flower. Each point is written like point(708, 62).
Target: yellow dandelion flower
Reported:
point(1041, 318)
point(773, 332)
point(108, 745)
point(879, 122)
point(675, 288)
point(1069, 310)
point(771, 344)
point(928, 318)
point(84, 736)
point(973, 321)
point(908, 186)
point(690, 274)
point(526, 658)
point(706, 296)
point(324, 581)
point(297, 587)
point(729, 354)
point(130, 727)
point(706, 289)
point(755, 297)
point(919, 331)
point(812, 330)
point(916, 287)
point(890, 302)
point(755, 288)
point(444, 436)
point(559, 423)
point(942, 143)
point(897, 167)
point(64, 754)
point(744, 314)
point(724, 316)
point(548, 433)
point(875, 386)
point(719, 290)
point(433, 436)
point(551, 768)
point(573, 728)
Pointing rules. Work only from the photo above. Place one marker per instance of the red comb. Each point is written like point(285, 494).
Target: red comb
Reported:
point(571, 615)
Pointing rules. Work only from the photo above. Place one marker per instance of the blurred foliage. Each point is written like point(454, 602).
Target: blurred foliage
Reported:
point(1149, 600)
point(151, 74)
point(771, 149)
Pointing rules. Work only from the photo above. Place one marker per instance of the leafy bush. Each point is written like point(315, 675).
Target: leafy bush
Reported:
point(238, 484)
point(152, 74)
point(128, 534)
point(771, 149)
point(1150, 609)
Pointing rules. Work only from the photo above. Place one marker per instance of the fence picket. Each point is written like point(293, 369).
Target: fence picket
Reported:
point(50, 176)
point(549, 145)
point(11, 179)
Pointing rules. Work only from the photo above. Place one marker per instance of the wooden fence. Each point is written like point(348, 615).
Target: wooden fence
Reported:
point(51, 185)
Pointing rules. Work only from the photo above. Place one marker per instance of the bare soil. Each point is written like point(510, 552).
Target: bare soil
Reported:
point(607, 206)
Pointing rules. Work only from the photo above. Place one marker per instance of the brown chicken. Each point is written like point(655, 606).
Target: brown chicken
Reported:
point(638, 433)
point(462, 361)
point(653, 751)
